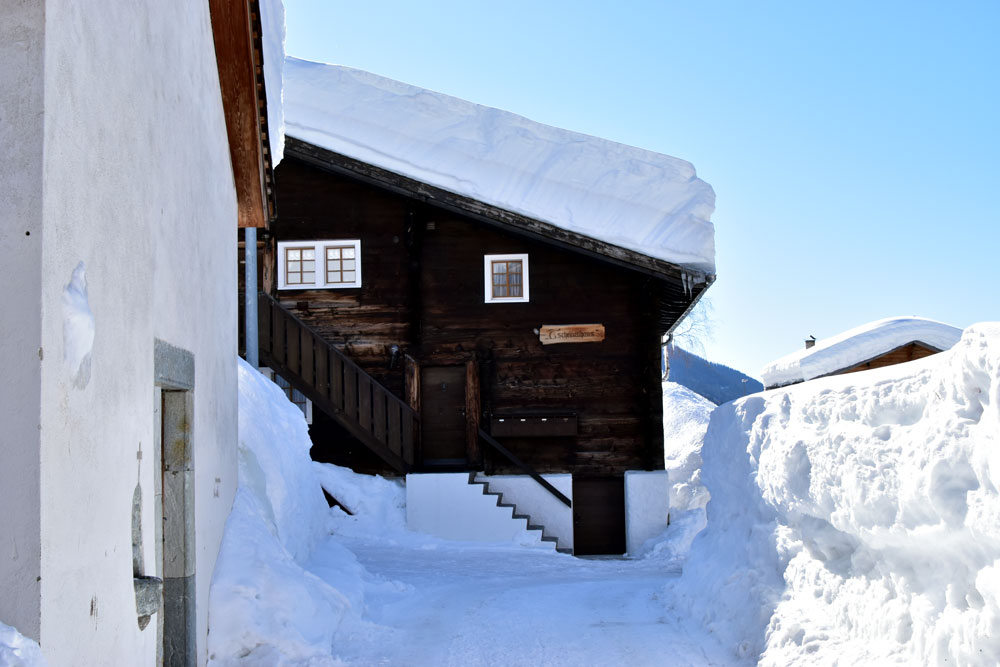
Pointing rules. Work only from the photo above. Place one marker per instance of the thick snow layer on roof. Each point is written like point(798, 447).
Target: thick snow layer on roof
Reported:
point(856, 346)
point(272, 20)
point(632, 198)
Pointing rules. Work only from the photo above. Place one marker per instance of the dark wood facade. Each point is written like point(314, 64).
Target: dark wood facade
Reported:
point(419, 325)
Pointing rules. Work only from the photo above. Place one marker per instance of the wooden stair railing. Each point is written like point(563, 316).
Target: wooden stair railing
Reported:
point(528, 470)
point(336, 385)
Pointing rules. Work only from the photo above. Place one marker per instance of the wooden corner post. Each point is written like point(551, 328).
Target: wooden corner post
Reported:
point(472, 411)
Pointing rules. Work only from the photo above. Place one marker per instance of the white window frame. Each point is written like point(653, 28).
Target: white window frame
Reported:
point(320, 273)
point(488, 278)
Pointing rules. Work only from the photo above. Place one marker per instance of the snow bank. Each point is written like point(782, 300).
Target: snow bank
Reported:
point(378, 504)
point(685, 420)
point(272, 20)
point(636, 199)
point(16, 650)
point(856, 519)
point(857, 346)
point(266, 606)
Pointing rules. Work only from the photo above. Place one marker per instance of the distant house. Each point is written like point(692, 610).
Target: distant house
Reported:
point(133, 146)
point(894, 340)
point(460, 290)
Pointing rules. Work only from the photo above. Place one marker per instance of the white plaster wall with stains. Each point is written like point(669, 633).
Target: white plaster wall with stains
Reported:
point(135, 200)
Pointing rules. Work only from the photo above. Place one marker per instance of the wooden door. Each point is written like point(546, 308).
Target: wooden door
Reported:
point(598, 515)
point(442, 407)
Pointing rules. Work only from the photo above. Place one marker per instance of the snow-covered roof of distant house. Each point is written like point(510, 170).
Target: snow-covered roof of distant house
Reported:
point(857, 346)
point(631, 198)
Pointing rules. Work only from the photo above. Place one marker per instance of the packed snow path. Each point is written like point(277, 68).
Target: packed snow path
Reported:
point(473, 605)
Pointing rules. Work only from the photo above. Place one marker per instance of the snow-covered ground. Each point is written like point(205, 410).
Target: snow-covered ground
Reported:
point(853, 520)
point(300, 584)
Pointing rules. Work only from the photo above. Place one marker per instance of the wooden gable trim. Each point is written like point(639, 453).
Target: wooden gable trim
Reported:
point(236, 30)
point(493, 215)
point(916, 348)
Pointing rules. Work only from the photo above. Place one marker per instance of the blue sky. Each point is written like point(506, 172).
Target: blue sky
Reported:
point(854, 147)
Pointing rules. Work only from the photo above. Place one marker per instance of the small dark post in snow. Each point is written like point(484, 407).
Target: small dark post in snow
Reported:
point(810, 341)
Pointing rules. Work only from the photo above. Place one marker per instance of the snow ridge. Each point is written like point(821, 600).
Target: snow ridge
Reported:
point(857, 517)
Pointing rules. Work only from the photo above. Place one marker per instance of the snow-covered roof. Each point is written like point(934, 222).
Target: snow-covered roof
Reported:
point(856, 346)
point(650, 203)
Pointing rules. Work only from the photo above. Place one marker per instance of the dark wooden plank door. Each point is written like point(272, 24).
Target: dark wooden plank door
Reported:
point(442, 403)
point(598, 515)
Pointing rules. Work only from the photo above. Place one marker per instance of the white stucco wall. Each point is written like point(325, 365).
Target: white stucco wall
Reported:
point(534, 500)
point(21, 98)
point(137, 186)
point(647, 502)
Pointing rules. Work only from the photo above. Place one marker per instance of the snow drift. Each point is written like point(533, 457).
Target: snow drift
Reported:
point(856, 519)
point(266, 606)
point(629, 197)
point(16, 650)
point(856, 346)
point(685, 420)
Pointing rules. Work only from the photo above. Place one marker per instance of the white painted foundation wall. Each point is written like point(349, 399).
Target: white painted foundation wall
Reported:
point(136, 184)
point(534, 500)
point(446, 505)
point(647, 503)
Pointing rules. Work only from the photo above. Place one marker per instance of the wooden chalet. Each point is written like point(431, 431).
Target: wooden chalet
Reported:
point(439, 332)
point(470, 338)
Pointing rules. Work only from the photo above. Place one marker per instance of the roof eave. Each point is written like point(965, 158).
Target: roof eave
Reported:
point(494, 215)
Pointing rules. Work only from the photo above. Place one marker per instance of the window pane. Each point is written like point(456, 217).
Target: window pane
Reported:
point(308, 254)
point(294, 254)
point(348, 253)
point(294, 267)
point(333, 265)
point(308, 265)
point(348, 265)
point(499, 267)
point(514, 267)
point(349, 276)
point(514, 279)
point(308, 277)
point(499, 279)
point(333, 253)
point(515, 290)
point(499, 290)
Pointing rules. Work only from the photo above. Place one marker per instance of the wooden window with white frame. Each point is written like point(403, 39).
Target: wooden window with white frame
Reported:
point(341, 264)
point(506, 278)
point(300, 265)
point(326, 264)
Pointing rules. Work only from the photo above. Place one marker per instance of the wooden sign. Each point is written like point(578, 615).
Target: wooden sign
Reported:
point(571, 333)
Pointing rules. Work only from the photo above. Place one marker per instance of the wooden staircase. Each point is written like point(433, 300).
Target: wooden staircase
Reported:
point(514, 513)
point(336, 385)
